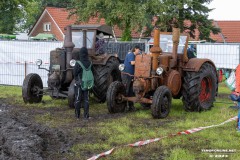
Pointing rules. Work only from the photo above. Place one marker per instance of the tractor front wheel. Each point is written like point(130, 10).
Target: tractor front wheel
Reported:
point(32, 89)
point(115, 103)
point(162, 101)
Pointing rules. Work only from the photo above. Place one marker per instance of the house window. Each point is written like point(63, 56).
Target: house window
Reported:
point(47, 27)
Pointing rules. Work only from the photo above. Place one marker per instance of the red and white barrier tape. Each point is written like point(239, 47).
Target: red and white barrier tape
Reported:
point(145, 142)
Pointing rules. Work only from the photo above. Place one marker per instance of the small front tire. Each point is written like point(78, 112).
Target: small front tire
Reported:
point(115, 103)
point(32, 88)
point(162, 101)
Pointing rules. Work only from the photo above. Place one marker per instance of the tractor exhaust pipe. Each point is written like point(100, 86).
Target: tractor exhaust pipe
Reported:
point(156, 51)
point(68, 45)
point(175, 39)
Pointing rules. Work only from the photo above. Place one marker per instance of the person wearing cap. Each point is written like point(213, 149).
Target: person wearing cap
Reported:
point(191, 51)
point(129, 66)
point(99, 46)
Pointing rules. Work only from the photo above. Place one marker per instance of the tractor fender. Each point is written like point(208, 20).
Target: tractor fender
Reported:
point(103, 59)
point(194, 64)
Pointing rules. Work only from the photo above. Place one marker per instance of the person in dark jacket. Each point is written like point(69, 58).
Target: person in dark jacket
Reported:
point(79, 93)
point(129, 64)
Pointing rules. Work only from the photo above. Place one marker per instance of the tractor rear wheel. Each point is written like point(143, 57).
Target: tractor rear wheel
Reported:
point(32, 88)
point(200, 88)
point(104, 75)
point(162, 101)
point(115, 103)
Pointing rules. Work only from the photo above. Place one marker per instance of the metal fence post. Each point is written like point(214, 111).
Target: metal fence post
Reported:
point(25, 69)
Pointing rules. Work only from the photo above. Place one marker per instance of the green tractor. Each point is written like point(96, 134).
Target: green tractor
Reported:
point(62, 60)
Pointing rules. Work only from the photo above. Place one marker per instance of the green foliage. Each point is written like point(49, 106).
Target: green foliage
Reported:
point(195, 11)
point(33, 11)
point(137, 14)
point(20, 15)
point(11, 13)
point(126, 14)
point(55, 3)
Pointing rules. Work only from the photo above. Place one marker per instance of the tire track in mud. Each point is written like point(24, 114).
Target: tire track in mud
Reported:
point(21, 138)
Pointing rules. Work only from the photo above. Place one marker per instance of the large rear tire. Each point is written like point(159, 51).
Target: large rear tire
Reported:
point(104, 76)
point(200, 88)
point(115, 103)
point(32, 88)
point(162, 101)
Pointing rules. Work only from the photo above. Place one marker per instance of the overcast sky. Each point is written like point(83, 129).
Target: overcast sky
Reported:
point(225, 10)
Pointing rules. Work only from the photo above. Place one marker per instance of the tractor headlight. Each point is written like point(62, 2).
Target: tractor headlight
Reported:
point(72, 63)
point(159, 70)
point(38, 62)
point(121, 67)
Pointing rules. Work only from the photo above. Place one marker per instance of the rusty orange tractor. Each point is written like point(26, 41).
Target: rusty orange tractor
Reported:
point(167, 73)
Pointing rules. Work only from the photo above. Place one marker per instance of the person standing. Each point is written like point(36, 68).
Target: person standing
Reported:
point(99, 46)
point(129, 66)
point(79, 92)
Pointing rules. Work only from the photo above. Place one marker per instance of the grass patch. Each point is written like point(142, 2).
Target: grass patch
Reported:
point(179, 153)
point(106, 130)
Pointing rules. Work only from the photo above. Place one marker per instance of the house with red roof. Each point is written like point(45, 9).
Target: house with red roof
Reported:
point(53, 20)
point(230, 32)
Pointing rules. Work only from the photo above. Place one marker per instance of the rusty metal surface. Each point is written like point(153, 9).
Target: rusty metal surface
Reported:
point(194, 64)
point(174, 82)
point(68, 45)
point(141, 86)
point(156, 50)
point(164, 60)
point(175, 39)
point(135, 100)
point(185, 57)
point(142, 65)
point(68, 38)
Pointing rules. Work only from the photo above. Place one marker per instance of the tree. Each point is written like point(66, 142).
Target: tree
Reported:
point(195, 11)
point(136, 14)
point(11, 13)
point(55, 3)
point(126, 14)
point(20, 15)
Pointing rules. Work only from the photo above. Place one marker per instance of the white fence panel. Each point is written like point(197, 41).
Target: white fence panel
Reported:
point(223, 55)
point(17, 59)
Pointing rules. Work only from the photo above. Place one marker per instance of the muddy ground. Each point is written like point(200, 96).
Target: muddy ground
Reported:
point(21, 138)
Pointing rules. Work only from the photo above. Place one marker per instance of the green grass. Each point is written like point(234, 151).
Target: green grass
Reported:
point(106, 131)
